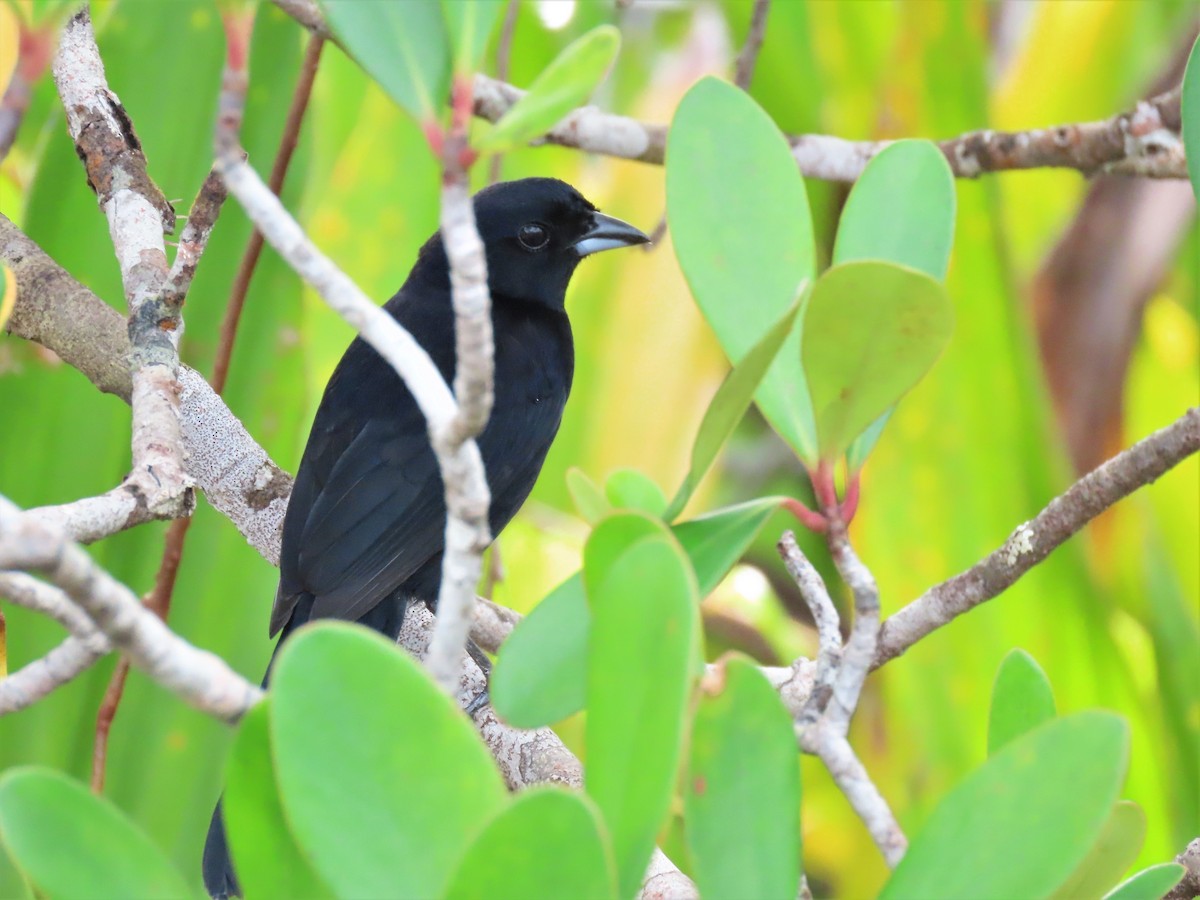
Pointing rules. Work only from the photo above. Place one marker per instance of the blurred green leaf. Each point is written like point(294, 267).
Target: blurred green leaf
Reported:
point(403, 46)
point(900, 210)
point(742, 232)
point(1020, 824)
point(590, 502)
point(1190, 109)
point(470, 24)
point(71, 843)
point(1149, 884)
point(643, 642)
point(729, 405)
point(541, 673)
point(1114, 852)
point(266, 857)
point(871, 332)
point(546, 843)
point(631, 489)
point(1022, 699)
point(563, 85)
point(355, 724)
point(742, 791)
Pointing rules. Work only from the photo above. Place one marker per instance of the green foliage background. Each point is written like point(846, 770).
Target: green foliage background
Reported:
point(969, 454)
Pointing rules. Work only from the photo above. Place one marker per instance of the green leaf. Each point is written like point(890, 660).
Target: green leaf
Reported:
point(547, 843)
point(900, 210)
point(729, 404)
point(1190, 110)
point(1111, 856)
point(563, 85)
point(871, 332)
point(470, 23)
point(71, 843)
point(717, 540)
point(1149, 884)
point(403, 46)
point(1020, 824)
point(265, 855)
point(541, 673)
point(742, 232)
point(590, 501)
point(643, 643)
point(631, 489)
point(742, 792)
point(355, 722)
point(1021, 699)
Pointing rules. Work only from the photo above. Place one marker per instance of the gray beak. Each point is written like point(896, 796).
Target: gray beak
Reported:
point(608, 233)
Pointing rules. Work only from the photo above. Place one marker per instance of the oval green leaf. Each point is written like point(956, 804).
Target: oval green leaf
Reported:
point(729, 404)
point(871, 332)
point(403, 46)
point(742, 232)
point(563, 85)
point(355, 722)
point(631, 489)
point(900, 210)
point(640, 663)
point(1022, 699)
point(265, 854)
point(541, 674)
point(742, 791)
point(470, 23)
point(71, 843)
point(1149, 884)
point(1114, 852)
point(1190, 110)
point(1020, 824)
point(547, 843)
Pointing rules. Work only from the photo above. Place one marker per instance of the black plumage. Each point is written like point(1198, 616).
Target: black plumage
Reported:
point(364, 530)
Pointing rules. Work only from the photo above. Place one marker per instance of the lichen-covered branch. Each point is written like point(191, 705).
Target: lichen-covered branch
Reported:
point(200, 678)
point(138, 216)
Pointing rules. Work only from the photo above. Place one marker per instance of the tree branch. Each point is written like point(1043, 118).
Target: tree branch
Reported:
point(1032, 541)
point(138, 216)
point(200, 678)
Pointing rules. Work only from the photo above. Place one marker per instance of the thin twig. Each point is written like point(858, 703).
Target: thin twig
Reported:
point(1189, 885)
point(1033, 541)
point(159, 603)
point(852, 779)
point(864, 634)
point(825, 615)
point(503, 61)
point(467, 496)
point(283, 158)
point(200, 221)
point(744, 70)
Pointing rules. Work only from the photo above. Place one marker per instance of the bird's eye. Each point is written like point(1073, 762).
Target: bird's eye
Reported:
point(533, 236)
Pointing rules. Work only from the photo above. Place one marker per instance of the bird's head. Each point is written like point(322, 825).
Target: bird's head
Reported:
point(535, 231)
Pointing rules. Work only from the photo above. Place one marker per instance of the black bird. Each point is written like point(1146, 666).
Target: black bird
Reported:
point(364, 530)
